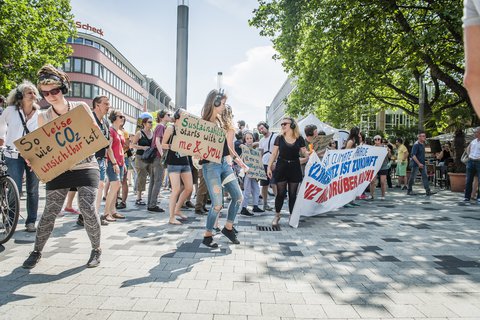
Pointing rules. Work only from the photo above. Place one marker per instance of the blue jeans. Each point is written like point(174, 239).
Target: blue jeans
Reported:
point(214, 174)
point(413, 175)
point(16, 168)
point(473, 168)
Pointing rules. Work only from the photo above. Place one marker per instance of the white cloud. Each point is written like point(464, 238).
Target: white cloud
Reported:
point(252, 84)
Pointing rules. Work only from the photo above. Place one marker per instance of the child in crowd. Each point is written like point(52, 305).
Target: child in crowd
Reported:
point(250, 185)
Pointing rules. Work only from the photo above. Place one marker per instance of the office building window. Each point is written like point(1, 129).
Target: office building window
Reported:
point(88, 42)
point(77, 65)
point(96, 67)
point(78, 41)
point(88, 66)
point(76, 89)
point(87, 91)
point(67, 66)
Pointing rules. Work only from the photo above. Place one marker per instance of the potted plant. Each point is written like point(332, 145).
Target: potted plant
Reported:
point(457, 174)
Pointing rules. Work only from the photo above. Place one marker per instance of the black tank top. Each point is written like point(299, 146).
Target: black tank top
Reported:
point(174, 158)
point(143, 141)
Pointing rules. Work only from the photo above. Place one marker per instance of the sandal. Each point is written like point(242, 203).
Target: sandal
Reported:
point(118, 215)
point(139, 202)
point(175, 222)
point(109, 218)
point(181, 217)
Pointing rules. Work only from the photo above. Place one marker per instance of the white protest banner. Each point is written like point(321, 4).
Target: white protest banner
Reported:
point(337, 180)
point(253, 159)
point(200, 138)
point(61, 143)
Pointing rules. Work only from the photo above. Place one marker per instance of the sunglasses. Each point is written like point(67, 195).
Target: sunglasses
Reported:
point(284, 124)
point(121, 117)
point(52, 92)
point(149, 121)
point(377, 139)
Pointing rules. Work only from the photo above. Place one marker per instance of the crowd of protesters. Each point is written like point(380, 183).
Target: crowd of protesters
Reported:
point(146, 157)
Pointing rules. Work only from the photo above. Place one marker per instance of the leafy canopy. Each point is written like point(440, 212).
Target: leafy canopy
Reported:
point(347, 55)
point(32, 33)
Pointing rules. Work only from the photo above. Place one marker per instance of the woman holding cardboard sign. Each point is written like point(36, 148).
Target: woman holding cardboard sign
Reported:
point(53, 84)
point(179, 172)
point(218, 174)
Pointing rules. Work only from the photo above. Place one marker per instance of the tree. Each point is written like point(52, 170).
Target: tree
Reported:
point(32, 33)
point(348, 54)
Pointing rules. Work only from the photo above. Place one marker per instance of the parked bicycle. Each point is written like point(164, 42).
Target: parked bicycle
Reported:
point(9, 202)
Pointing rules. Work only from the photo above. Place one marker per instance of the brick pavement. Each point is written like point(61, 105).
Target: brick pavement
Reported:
point(402, 258)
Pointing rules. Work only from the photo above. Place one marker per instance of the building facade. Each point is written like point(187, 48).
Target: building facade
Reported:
point(275, 112)
point(96, 67)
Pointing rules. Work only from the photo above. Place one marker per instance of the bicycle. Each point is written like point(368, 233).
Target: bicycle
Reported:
point(9, 202)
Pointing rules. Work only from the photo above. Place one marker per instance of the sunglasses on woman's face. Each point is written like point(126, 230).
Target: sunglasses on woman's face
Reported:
point(52, 92)
point(150, 122)
point(121, 116)
point(284, 123)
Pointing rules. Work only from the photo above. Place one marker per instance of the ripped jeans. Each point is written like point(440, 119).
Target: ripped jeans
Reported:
point(214, 174)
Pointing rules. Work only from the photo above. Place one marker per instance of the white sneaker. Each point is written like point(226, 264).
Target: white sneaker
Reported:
point(30, 227)
point(381, 198)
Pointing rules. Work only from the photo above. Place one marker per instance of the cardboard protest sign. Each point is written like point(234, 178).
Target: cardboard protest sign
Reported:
point(197, 137)
point(320, 143)
point(339, 178)
point(61, 143)
point(253, 159)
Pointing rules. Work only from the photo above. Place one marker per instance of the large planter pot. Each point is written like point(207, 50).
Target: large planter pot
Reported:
point(457, 181)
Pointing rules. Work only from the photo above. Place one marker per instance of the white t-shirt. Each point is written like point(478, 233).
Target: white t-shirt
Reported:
point(266, 143)
point(471, 13)
point(474, 150)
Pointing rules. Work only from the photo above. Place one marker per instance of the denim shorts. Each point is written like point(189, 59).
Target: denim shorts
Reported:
point(102, 164)
point(112, 176)
point(175, 168)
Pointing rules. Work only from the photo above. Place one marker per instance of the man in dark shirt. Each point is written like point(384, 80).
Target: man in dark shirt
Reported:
point(418, 163)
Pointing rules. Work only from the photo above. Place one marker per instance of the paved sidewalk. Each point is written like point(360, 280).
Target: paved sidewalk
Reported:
point(402, 258)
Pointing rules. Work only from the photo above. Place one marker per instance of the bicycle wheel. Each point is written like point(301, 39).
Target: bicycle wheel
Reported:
point(9, 208)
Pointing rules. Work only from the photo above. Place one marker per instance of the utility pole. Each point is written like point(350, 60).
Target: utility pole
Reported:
point(182, 55)
point(219, 80)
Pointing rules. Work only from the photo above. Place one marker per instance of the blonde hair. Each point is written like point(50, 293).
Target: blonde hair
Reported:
point(226, 118)
point(13, 99)
point(296, 130)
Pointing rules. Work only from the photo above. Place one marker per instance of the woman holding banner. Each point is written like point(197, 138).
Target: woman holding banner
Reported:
point(179, 172)
point(221, 174)
point(84, 176)
point(288, 147)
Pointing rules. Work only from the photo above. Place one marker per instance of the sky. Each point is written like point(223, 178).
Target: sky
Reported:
point(220, 39)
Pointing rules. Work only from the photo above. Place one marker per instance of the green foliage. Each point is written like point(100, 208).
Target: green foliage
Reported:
point(32, 33)
point(344, 54)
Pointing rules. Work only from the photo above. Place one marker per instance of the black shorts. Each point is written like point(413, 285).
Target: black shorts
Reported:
point(383, 172)
point(266, 183)
point(289, 171)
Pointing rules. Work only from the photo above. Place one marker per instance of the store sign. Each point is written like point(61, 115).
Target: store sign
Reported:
point(88, 27)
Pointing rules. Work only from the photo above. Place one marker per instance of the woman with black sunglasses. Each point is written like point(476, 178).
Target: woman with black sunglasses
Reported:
point(289, 146)
point(84, 176)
